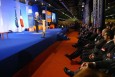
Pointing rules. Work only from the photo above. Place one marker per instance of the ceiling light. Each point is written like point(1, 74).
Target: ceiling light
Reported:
point(108, 7)
point(42, 3)
point(29, 10)
point(49, 4)
point(106, 16)
point(111, 15)
point(83, 4)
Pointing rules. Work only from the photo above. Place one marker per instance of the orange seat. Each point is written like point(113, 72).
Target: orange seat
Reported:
point(52, 26)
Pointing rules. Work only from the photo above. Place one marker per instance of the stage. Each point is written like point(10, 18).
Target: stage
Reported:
point(22, 47)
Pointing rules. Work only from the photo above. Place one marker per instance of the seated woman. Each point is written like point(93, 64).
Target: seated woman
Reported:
point(88, 72)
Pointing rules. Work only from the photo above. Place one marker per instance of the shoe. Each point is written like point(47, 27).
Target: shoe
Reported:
point(80, 62)
point(74, 46)
point(68, 38)
point(68, 72)
point(42, 37)
point(68, 56)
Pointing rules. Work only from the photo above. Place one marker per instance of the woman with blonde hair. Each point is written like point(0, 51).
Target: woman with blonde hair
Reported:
point(88, 70)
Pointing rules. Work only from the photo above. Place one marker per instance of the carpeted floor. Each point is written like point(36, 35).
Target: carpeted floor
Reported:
point(53, 66)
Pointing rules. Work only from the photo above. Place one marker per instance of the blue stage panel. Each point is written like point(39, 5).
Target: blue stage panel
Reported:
point(19, 41)
point(21, 48)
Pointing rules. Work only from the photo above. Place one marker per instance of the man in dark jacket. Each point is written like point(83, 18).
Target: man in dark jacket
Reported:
point(99, 54)
point(107, 62)
point(98, 44)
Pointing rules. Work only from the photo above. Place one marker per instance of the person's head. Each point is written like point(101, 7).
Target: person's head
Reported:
point(108, 35)
point(99, 30)
point(103, 31)
point(36, 14)
point(90, 29)
point(114, 38)
point(113, 28)
point(108, 27)
point(86, 26)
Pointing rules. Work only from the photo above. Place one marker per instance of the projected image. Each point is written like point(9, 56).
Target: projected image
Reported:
point(53, 17)
point(48, 16)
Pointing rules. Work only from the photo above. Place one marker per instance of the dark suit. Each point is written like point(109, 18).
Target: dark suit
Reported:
point(99, 53)
point(92, 37)
point(83, 50)
point(36, 23)
point(112, 52)
point(83, 39)
point(104, 64)
point(103, 51)
point(96, 42)
point(106, 47)
point(100, 43)
point(109, 65)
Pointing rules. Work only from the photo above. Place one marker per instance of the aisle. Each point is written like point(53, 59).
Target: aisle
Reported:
point(53, 66)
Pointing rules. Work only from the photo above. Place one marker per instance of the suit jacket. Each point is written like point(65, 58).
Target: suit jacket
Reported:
point(111, 51)
point(107, 47)
point(100, 54)
point(36, 21)
point(92, 37)
point(105, 64)
point(88, 34)
point(98, 46)
point(99, 37)
point(94, 43)
point(100, 43)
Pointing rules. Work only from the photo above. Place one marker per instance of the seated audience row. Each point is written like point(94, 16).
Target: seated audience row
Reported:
point(96, 49)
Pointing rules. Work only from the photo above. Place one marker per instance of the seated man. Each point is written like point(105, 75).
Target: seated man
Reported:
point(79, 51)
point(99, 54)
point(84, 38)
point(107, 63)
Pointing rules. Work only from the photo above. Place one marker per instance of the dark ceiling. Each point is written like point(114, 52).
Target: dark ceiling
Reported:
point(73, 8)
point(110, 9)
point(65, 9)
point(68, 8)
